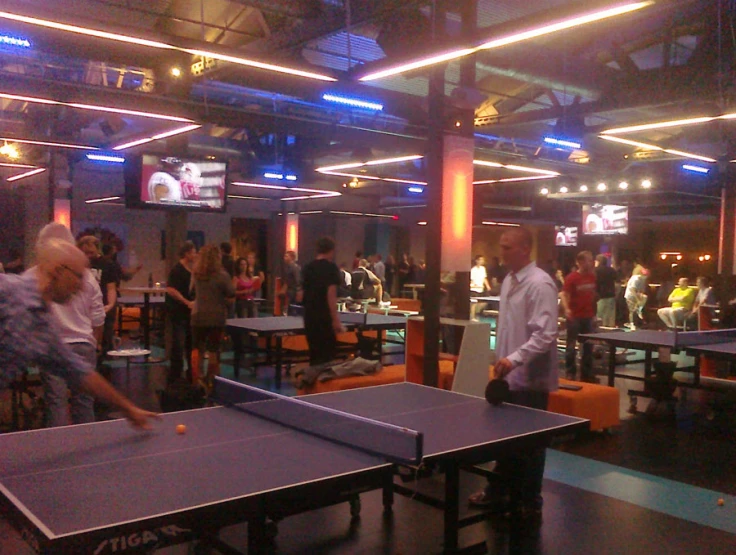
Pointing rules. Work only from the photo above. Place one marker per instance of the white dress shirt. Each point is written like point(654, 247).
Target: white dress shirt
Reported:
point(527, 329)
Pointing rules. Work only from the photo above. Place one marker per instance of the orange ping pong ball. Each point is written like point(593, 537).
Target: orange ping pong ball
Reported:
point(721, 502)
point(181, 429)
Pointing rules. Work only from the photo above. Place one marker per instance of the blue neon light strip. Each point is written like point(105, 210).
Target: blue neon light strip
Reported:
point(416, 189)
point(562, 142)
point(14, 41)
point(697, 169)
point(105, 158)
point(354, 102)
point(271, 175)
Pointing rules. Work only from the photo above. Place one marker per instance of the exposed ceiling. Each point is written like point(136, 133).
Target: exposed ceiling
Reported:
point(674, 59)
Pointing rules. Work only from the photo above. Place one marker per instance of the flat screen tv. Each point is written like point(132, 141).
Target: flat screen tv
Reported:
point(566, 236)
point(605, 219)
point(156, 181)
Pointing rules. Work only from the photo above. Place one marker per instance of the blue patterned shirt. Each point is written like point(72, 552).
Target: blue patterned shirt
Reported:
point(28, 334)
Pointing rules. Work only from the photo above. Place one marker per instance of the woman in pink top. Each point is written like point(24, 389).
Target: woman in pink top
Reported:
point(246, 284)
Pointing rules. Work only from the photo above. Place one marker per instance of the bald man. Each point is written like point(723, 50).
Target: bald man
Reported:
point(28, 333)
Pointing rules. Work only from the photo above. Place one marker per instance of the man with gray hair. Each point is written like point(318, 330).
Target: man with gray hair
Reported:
point(28, 331)
point(79, 322)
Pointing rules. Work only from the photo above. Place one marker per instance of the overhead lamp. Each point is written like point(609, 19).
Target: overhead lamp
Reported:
point(105, 158)
point(8, 40)
point(48, 143)
point(696, 169)
point(563, 190)
point(353, 102)
point(646, 184)
point(623, 185)
point(679, 257)
point(707, 257)
point(663, 256)
point(138, 41)
point(546, 29)
point(583, 188)
point(416, 190)
point(163, 135)
point(544, 191)
point(25, 174)
point(10, 151)
point(701, 258)
point(601, 187)
point(175, 72)
point(98, 200)
point(271, 175)
point(566, 143)
point(422, 223)
point(647, 146)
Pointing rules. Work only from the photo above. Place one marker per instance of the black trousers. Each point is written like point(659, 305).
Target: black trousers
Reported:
point(181, 348)
point(321, 339)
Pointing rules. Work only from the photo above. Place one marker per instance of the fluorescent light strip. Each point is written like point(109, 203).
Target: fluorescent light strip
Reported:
point(47, 143)
point(357, 103)
point(353, 165)
point(489, 164)
point(345, 213)
point(243, 197)
point(96, 200)
point(24, 175)
point(510, 39)
point(562, 142)
point(269, 175)
point(513, 179)
point(308, 197)
point(504, 224)
point(355, 175)
point(14, 41)
point(92, 107)
point(565, 24)
point(696, 169)
point(105, 158)
point(310, 212)
point(21, 166)
point(163, 135)
point(259, 65)
point(422, 223)
point(320, 192)
point(661, 125)
point(161, 45)
point(647, 146)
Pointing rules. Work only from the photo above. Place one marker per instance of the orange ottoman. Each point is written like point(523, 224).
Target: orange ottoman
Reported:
point(598, 403)
point(389, 374)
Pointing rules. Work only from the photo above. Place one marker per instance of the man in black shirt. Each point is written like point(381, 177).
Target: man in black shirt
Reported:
point(107, 276)
point(321, 278)
point(179, 302)
point(606, 288)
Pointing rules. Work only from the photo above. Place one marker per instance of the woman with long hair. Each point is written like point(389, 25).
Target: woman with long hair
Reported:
point(214, 293)
point(245, 282)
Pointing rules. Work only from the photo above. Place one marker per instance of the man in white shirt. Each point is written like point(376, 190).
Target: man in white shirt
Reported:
point(526, 354)
point(478, 284)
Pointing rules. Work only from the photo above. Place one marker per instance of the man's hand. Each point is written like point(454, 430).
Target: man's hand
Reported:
point(140, 418)
point(502, 368)
point(337, 327)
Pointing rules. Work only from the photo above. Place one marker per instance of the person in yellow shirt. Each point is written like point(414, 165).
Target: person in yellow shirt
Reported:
point(682, 299)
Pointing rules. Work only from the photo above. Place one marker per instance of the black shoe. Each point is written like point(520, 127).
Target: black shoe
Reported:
point(489, 502)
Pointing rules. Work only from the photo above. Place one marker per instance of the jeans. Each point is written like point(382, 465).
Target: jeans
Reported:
point(59, 404)
point(523, 472)
point(576, 326)
point(606, 312)
point(181, 348)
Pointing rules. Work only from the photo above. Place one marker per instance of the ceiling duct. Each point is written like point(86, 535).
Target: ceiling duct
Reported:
point(406, 31)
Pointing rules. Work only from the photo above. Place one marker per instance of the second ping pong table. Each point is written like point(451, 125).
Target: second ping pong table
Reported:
point(104, 488)
point(278, 327)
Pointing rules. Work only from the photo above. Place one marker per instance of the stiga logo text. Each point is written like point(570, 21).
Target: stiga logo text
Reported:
point(135, 540)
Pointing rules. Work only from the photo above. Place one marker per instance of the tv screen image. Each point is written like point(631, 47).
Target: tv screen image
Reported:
point(566, 236)
point(169, 181)
point(605, 219)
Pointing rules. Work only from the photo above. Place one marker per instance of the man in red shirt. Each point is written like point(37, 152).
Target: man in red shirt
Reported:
point(578, 300)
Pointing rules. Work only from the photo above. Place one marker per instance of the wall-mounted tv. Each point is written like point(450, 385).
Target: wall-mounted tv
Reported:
point(566, 236)
point(156, 181)
point(605, 219)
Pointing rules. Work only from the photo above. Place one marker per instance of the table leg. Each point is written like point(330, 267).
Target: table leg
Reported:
point(145, 317)
point(452, 506)
point(279, 352)
point(611, 364)
point(648, 364)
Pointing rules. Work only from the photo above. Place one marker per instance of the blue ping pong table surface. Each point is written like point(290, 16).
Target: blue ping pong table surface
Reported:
point(77, 479)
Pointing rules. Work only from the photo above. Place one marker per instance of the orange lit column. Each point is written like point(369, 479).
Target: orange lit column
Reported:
point(292, 233)
point(63, 212)
point(727, 235)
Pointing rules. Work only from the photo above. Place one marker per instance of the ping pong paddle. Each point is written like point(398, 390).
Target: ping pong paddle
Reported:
point(497, 392)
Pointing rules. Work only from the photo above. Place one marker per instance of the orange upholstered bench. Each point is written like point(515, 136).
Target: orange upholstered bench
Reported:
point(597, 403)
point(394, 373)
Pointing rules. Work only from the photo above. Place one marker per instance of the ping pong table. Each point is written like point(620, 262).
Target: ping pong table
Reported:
point(715, 343)
point(278, 327)
point(105, 488)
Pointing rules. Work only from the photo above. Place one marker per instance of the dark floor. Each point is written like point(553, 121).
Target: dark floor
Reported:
point(649, 487)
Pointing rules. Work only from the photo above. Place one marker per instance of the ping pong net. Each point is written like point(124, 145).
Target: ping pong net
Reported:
point(394, 443)
point(708, 337)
